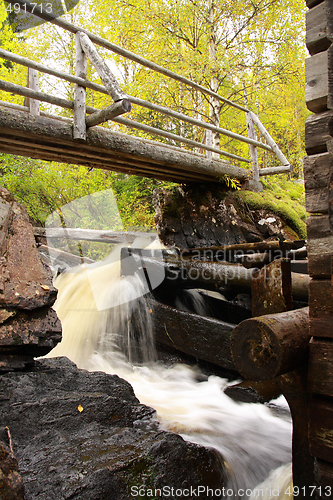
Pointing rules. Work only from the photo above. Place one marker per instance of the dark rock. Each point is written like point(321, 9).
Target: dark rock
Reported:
point(85, 436)
point(25, 283)
point(201, 216)
point(28, 327)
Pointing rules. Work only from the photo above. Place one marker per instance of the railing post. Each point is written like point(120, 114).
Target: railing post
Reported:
point(33, 84)
point(79, 126)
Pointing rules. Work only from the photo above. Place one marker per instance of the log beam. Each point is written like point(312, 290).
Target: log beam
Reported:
point(268, 346)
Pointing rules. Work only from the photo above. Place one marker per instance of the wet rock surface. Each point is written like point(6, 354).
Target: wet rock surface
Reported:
point(203, 216)
point(27, 325)
point(84, 435)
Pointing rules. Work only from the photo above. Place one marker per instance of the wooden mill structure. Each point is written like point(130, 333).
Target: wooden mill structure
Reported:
point(318, 174)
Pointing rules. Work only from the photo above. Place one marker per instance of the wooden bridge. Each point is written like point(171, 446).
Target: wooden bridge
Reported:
point(26, 131)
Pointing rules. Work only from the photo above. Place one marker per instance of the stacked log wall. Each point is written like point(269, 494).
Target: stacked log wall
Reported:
point(318, 174)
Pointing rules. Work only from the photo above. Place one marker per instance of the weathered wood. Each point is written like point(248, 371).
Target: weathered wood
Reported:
point(53, 255)
point(254, 259)
point(33, 85)
point(270, 141)
point(102, 68)
point(321, 428)
point(317, 173)
point(293, 387)
point(271, 345)
point(320, 378)
point(316, 88)
point(317, 132)
point(112, 145)
point(284, 169)
point(313, 3)
point(321, 308)
point(318, 226)
point(271, 289)
point(116, 109)
point(91, 234)
point(320, 252)
point(316, 29)
point(323, 474)
point(203, 338)
point(253, 150)
point(79, 125)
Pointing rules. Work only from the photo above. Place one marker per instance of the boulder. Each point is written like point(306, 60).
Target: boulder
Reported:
point(85, 436)
point(28, 327)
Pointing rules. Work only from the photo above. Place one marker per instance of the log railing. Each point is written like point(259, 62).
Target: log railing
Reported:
point(85, 116)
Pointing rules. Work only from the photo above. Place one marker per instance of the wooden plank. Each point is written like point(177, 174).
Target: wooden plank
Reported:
point(313, 3)
point(204, 338)
point(321, 308)
point(321, 428)
point(91, 234)
point(318, 226)
point(323, 475)
point(79, 125)
point(320, 252)
point(271, 288)
point(316, 88)
point(316, 29)
point(317, 132)
point(317, 174)
point(320, 376)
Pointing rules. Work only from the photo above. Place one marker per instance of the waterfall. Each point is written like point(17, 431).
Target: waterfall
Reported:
point(107, 326)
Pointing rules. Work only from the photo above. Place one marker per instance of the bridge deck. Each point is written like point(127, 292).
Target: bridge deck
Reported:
point(50, 139)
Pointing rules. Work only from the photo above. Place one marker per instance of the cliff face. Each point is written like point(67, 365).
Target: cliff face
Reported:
point(202, 216)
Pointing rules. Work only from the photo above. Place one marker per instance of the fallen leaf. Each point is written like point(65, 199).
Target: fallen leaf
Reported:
point(80, 408)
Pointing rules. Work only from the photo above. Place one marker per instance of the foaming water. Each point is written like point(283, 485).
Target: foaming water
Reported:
point(106, 326)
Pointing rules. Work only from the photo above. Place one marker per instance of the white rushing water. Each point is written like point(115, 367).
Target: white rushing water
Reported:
point(252, 440)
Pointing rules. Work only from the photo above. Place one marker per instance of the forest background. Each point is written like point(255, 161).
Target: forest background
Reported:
point(248, 51)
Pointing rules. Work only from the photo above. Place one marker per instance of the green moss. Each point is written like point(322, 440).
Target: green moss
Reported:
point(285, 199)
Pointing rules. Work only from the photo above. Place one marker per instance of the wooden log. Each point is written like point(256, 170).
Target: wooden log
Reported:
point(53, 255)
point(284, 169)
point(316, 88)
point(114, 145)
point(321, 308)
point(320, 252)
point(317, 132)
point(320, 377)
point(316, 29)
point(258, 260)
point(317, 174)
point(271, 345)
point(102, 68)
point(79, 125)
point(116, 109)
point(204, 338)
point(321, 428)
point(91, 234)
point(323, 475)
point(271, 289)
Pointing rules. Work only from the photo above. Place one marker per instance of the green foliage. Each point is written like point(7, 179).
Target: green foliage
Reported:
point(284, 198)
point(45, 187)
